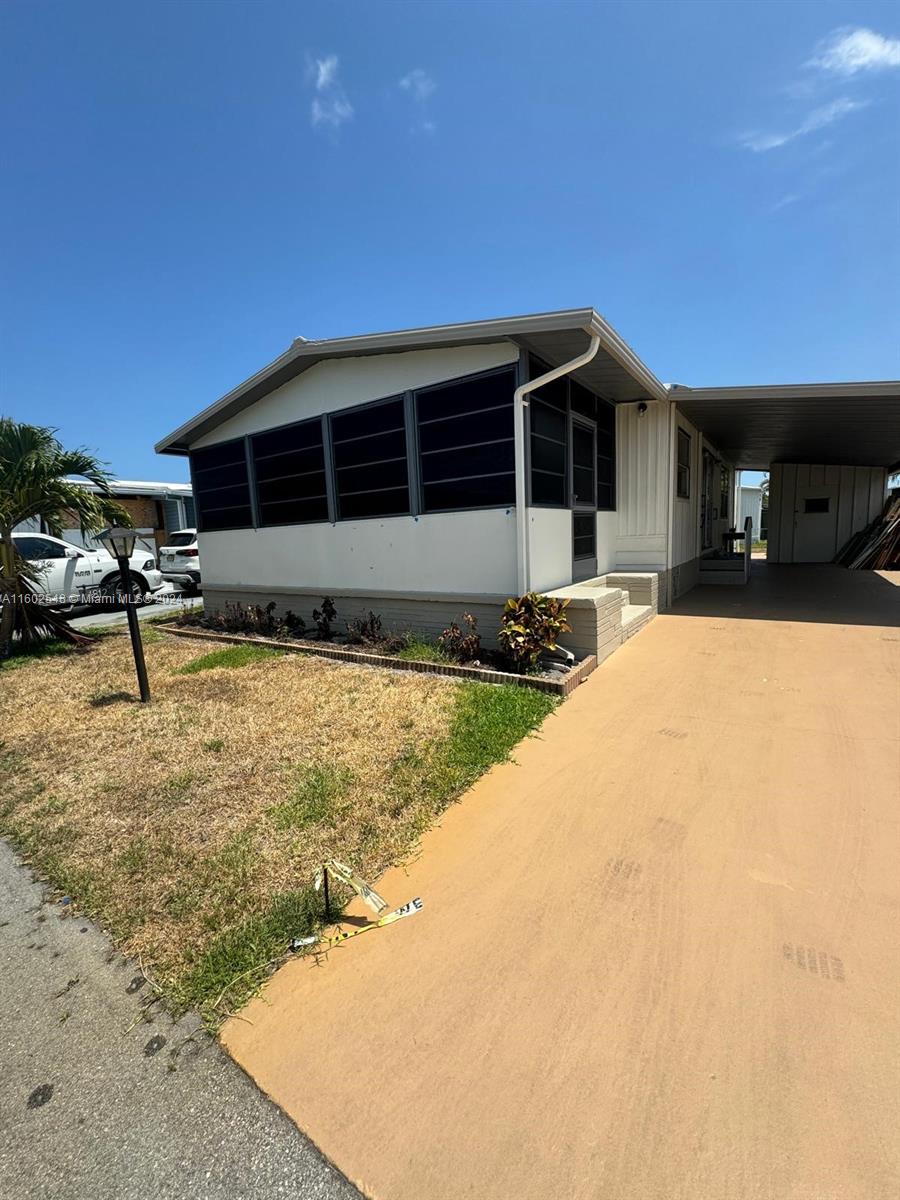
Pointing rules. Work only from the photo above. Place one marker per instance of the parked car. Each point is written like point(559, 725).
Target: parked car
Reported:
point(179, 560)
point(68, 574)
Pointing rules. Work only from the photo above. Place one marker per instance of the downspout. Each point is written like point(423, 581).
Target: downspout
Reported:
point(670, 497)
point(519, 405)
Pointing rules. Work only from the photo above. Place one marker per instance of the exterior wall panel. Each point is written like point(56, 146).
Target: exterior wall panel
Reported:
point(860, 493)
point(342, 383)
point(464, 552)
point(642, 472)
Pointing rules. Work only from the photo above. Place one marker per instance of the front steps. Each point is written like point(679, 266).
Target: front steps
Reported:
point(606, 611)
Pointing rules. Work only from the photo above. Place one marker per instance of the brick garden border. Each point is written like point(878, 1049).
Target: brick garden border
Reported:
point(558, 687)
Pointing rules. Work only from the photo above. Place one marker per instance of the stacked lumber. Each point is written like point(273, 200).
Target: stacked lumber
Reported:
point(877, 547)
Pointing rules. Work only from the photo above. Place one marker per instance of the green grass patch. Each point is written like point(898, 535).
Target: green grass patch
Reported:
point(488, 721)
point(231, 656)
point(24, 657)
point(232, 969)
point(417, 649)
point(316, 797)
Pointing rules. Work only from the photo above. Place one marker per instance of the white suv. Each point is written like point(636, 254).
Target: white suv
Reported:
point(68, 574)
point(179, 560)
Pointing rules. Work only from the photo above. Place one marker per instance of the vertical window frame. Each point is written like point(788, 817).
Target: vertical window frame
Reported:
point(198, 504)
point(258, 522)
point(330, 417)
point(682, 433)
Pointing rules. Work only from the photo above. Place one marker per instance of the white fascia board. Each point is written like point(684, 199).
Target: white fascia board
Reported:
point(619, 349)
point(875, 389)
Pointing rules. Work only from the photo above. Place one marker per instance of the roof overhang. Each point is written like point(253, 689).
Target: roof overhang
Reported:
point(615, 373)
point(838, 423)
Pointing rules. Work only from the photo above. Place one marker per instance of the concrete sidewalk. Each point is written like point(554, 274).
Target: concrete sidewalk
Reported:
point(97, 1105)
point(658, 958)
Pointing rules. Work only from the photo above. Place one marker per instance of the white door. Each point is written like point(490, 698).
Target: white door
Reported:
point(815, 523)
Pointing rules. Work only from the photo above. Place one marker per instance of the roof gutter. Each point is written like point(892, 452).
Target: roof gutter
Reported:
point(523, 565)
point(616, 348)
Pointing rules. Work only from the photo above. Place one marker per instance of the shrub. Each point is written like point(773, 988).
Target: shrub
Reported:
point(323, 618)
point(256, 619)
point(530, 625)
point(461, 647)
point(365, 630)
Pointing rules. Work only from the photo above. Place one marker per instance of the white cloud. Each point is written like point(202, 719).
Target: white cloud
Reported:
point(819, 118)
point(790, 198)
point(332, 113)
point(419, 83)
point(331, 108)
point(326, 72)
point(847, 51)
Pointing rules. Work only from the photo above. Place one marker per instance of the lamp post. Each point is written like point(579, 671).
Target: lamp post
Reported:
point(119, 542)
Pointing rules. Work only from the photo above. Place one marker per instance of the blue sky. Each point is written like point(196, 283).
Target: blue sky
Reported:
point(191, 185)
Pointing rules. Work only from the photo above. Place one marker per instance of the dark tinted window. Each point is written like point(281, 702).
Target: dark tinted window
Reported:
point(549, 452)
point(466, 450)
point(221, 486)
point(606, 456)
point(289, 466)
point(584, 534)
point(33, 549)
point(816, 504)
point(370, 467)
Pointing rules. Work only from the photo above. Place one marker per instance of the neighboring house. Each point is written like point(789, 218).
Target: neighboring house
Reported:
point(157, 509)
point(749, 504)
point(427, 471)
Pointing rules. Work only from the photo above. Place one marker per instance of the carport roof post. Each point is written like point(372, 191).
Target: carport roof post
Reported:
point(556, 337)
point(854, 424)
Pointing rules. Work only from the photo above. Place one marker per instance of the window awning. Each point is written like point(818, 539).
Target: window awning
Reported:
point(840, 423)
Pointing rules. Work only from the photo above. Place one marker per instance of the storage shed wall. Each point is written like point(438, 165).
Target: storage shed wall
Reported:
point(860, 495)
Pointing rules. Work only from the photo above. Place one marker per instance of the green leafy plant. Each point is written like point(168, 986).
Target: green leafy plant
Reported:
point(459, 646)
point(324, 617)
point(530, 625)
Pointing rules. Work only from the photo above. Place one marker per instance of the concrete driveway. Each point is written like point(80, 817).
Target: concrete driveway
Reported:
point(658, 957)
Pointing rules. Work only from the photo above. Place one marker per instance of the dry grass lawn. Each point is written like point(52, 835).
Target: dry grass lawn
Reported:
point(192, 827)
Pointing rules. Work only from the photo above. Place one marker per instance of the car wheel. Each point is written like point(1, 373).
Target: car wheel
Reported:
point(112, 593)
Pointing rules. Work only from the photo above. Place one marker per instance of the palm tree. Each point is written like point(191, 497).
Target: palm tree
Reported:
point(34, 470)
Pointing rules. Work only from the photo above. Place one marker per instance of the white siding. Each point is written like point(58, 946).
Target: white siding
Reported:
point(749, 505)
point(642, 482)
point(341, 383)
point(550, 548)
point(860, 495)
point(686, 533)
point(607, 527)
point(440, 554)
point(686, 513)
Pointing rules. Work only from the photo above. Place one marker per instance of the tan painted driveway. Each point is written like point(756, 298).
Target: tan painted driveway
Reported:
point(659, 954)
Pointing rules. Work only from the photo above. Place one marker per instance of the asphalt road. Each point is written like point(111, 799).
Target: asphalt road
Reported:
point(97, 1103)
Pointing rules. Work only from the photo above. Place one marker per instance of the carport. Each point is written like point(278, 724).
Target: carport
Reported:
point(829, 449)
